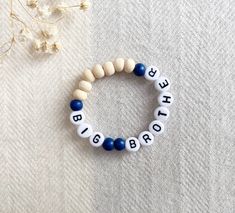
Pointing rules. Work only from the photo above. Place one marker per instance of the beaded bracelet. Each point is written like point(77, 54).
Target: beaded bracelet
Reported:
point(161, 113)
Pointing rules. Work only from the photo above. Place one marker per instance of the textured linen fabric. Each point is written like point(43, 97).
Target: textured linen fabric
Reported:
point(45, 167)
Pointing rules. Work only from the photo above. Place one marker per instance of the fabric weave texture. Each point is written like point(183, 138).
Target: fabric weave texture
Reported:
point(45, 167)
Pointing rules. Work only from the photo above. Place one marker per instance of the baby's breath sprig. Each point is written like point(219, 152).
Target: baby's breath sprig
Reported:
point(41, 33)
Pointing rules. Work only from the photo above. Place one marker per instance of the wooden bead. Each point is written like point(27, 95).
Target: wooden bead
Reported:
point(132, 144)
point(88, 75)
point(119, 64)
point(85, 86)
point(109, 68)
point(80, 95)
point(98, 71)
point(77, 117)
point(129, 65)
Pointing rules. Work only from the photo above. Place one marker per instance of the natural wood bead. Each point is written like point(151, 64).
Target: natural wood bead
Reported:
point(129, 65)
point(109, 68)
point(98, 71)
point(88, 75)
point(80, 95)
point(119, 64)
point(85, 86)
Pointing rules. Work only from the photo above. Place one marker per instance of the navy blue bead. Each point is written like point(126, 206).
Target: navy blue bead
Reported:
point(108, 144)
point(76, 105)
point(139, 69)
point(119, 144)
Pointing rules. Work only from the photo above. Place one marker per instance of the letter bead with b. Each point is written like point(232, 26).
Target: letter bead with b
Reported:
point(77, 117)
point(132, 144)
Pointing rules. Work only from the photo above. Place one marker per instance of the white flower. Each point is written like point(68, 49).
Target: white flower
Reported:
point(45, 46)
point(32, 3)
point(84, 5)
point(61, 8)
point(37, 45)
point(49, 31)
point(25, 34)
point(44, 11)
point(56, 47)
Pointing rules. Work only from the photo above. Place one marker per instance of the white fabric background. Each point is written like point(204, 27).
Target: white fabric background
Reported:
point(45, 167)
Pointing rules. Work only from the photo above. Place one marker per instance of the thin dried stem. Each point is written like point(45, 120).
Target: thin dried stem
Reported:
point(12, 41)
point(36, 19)
point(15, 20)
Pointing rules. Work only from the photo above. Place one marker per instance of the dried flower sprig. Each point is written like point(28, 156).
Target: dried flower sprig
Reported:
point(42, 30)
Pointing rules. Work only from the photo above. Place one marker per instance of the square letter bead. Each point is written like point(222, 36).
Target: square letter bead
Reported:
point(77, 117)
point(152, 73)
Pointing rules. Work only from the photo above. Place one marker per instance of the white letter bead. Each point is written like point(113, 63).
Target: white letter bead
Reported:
point(77, 117)
point(165, 99)
point(152, 73)
point(88, 75)
point(161, 113)
point(156, 127)
point(80, 95)
point(96, 139)
point(84, 130)
point(132, 144)
point(119, 64)
point(98, 71)
point(109, 68)
point(85, 86)
point(146, 138)
point(162, 84)
point(129, 65)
